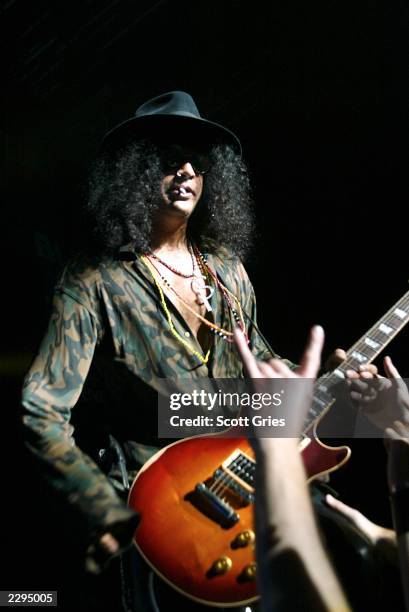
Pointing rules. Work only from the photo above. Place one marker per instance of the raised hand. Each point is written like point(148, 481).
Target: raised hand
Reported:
point(267, 377)
point(384, 401)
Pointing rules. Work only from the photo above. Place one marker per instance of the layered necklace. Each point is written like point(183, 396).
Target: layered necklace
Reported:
point(202, 291)
point(200, 275)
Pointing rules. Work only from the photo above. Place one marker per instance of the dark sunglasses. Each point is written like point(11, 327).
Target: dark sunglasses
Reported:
point(174, 157)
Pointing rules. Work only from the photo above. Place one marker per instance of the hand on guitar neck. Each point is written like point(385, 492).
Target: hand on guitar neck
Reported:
point(384, 401)
point(339, 356)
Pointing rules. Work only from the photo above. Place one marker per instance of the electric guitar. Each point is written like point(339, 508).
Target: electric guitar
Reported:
point(197, 535)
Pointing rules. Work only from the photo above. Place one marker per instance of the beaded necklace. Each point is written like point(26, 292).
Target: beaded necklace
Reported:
point(207, 271)
point(238, 316)
point(204, 359)
point(228, 296)
point(174, 270)
point(203, 292)
point(219, 331)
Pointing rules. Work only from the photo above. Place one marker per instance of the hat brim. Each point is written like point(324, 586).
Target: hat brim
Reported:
point(169, 128)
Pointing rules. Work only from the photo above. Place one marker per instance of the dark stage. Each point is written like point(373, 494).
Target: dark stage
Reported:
point(317, 93)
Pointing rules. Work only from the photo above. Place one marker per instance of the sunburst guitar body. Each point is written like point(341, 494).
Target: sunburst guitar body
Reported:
point(196, 501)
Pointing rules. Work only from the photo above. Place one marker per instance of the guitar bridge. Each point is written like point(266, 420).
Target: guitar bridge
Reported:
point(228, 489)
point(227, 516)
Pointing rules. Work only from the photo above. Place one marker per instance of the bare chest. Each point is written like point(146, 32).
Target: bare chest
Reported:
point(182, 295)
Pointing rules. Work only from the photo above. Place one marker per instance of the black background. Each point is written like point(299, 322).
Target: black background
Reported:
point(317, 92)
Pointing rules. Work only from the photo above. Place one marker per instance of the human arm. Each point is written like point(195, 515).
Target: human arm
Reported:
point(382, 538)
point(295, 571)
point(382, 400)
point(385, 402)
point(51, 389)
point(398, 480)
point(397, 445)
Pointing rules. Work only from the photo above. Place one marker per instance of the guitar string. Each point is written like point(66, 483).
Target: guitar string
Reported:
point(227, 480)
point(223, 482)
point(217, 485)
point(219, 481)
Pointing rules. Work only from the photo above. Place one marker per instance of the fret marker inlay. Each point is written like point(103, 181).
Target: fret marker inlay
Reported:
point(400, 313)
point(338, 373)
point(359, 357)
point(374, 345)
point(385, 329)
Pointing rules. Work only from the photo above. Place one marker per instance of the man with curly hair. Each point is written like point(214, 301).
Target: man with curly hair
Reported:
point(157, 297)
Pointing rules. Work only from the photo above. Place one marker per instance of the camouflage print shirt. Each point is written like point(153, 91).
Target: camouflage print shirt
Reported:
point(107, 347)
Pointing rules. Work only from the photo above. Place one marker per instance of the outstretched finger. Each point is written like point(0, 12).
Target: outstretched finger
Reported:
point(390, 369)
point(349, 512)
point(398, 431)
point(249, 362)
point(390, 434)
point(311, 358)
point(393, 373)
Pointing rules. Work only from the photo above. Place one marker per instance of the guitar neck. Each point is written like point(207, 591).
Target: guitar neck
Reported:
point(364, 351)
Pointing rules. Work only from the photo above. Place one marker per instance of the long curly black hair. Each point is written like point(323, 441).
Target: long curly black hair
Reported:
point(124, 193)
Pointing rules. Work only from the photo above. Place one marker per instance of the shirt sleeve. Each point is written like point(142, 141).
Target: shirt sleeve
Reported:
point(51, 389)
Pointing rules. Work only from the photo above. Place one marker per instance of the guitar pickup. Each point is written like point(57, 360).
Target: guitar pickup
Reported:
point(217, 508)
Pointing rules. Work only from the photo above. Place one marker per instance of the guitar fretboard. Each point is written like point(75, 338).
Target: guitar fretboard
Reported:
point(364, 351)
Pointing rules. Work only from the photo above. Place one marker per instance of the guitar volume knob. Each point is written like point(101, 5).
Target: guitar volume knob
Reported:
point(249, 572)
point(222, 565)
point(244, 538)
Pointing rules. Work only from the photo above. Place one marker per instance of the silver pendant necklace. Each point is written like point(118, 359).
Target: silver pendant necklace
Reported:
point(202, 291)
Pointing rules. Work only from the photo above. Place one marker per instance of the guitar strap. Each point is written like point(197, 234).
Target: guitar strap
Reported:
point(113, 458)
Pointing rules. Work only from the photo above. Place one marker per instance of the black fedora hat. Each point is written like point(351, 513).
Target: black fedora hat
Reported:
point(170, 117)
